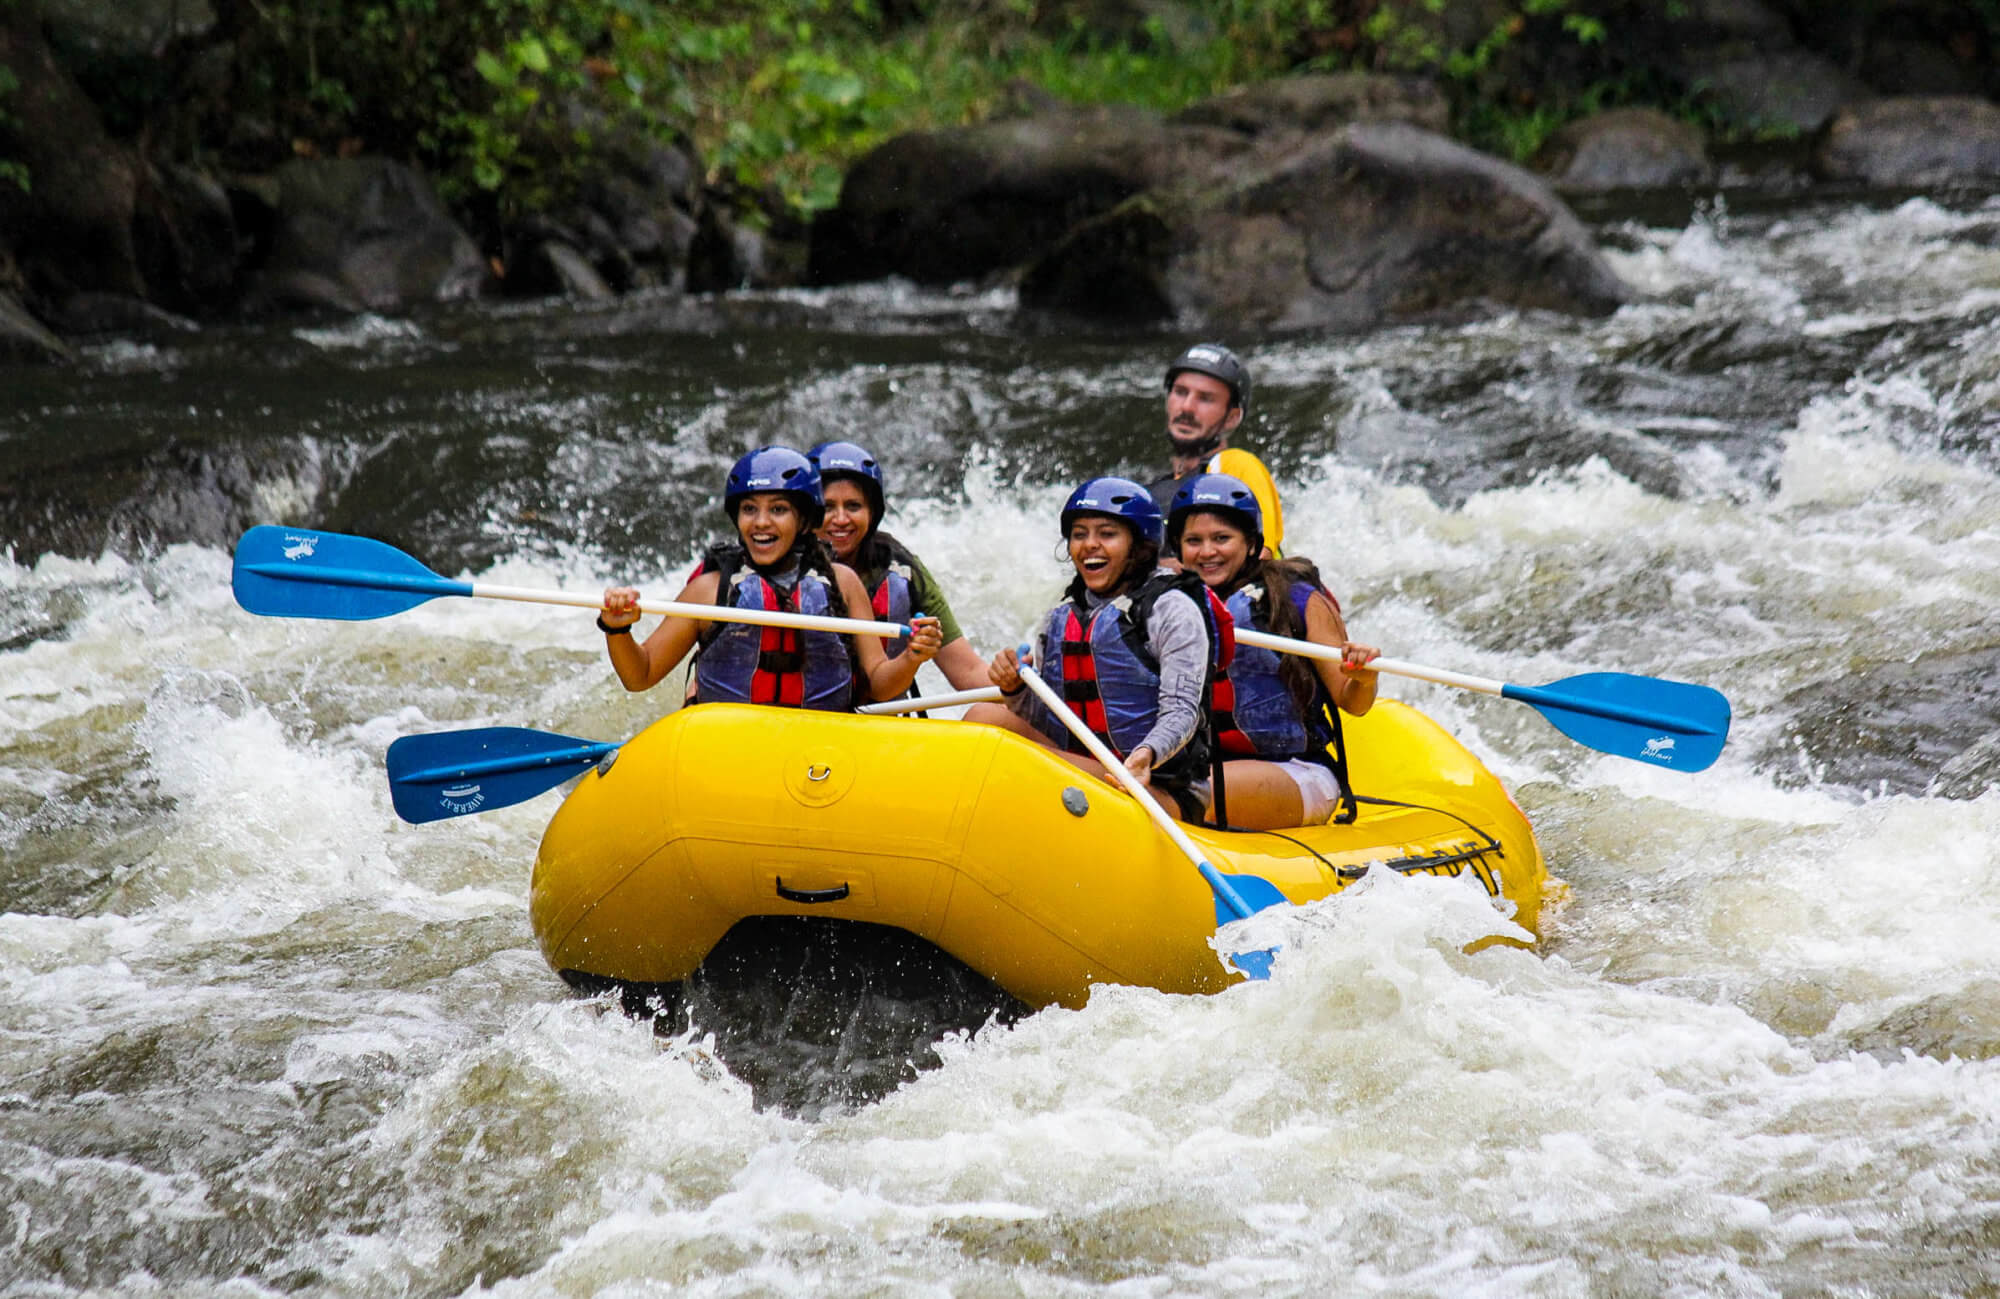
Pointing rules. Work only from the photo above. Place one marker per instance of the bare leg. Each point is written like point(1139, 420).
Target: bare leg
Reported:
point(1261, 796)
point(1008, 720)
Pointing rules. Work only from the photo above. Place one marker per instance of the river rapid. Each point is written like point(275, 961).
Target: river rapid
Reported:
point(257, 1036)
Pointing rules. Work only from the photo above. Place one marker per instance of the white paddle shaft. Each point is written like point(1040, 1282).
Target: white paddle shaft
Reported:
point(700, 612)
point(983, 695)
point(1395, 667)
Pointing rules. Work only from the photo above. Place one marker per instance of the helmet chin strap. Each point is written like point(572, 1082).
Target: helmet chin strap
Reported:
point(1208, 446)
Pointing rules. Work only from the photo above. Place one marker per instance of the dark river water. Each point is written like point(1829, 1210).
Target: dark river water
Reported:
point(257, 1036)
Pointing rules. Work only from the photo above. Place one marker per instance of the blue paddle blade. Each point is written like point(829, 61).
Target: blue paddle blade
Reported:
point(1254, 893)
point(1666, 723)
point(457, 773)
point(306, 573)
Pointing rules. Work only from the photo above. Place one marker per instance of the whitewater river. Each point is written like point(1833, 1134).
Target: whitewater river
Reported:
point(257, 1036)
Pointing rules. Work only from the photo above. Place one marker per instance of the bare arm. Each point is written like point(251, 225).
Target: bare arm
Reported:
point(643, 665)
point(962, 665)
point(1350, 685)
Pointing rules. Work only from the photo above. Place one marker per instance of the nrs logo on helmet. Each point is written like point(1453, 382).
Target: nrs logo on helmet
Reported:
point(1217, 362)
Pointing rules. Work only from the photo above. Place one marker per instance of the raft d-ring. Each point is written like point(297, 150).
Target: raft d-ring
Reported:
point(817, 773)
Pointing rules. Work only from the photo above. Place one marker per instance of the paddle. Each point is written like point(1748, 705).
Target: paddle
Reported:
point(457, 773)
point(302, 573)
point(917, 704)
point(1233, 893)
point(1648, 719)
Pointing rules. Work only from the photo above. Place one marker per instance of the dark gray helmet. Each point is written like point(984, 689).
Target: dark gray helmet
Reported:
point(1217, 362)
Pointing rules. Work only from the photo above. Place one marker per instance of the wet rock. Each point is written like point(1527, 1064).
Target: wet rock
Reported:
point(1894, 726)
point(23, 338)
point(633, 213)
point(1963, 1023)
point(724, 256)
point(1625, 148)
point(1914, 65)
point(1970, 772)
point(71, 228)
point(1902, 47)
point(363, 233)
point(115, 313)
point(187, 242)
point(1748, 23)
point(1795, 90)
point(943, 206)
point(1375, 223)
point(121, 29)
point(1323, 102)
point(1912, 141)
point(749, 239)
point(555, 269)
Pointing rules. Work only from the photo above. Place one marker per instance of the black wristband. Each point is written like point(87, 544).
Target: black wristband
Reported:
point(609, 630)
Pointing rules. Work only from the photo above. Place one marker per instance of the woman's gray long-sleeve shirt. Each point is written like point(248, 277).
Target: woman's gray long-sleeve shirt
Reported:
point(1178, 636)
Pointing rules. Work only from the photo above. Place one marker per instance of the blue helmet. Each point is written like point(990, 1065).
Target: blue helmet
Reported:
point(775, 469)
point(846, 460)
point(1221, 494)
point(1117, 498)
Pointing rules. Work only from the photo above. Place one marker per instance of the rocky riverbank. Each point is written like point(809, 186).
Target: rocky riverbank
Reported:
point(1317, 199)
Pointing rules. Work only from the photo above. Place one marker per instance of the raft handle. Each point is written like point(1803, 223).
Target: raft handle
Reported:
point(810, 895)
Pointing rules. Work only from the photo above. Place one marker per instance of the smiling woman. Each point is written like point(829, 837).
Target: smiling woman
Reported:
point(899, 585)
point(1275, 716)
point(1135, 643)
point(776, 562)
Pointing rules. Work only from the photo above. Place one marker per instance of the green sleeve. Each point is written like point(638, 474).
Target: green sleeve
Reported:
point(927, 597)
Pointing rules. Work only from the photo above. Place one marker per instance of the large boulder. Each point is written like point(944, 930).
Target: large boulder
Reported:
point(1375, 223)
point(362, 234)
point(633, 215)
point(23, 338)
point(1790, 90)
point(189, 249)
point(124, 29)
point(1322, 102)
point(1912, 141)
point(943, 206)
point(70, 227)
point(1625, 148)
point(1748, 24)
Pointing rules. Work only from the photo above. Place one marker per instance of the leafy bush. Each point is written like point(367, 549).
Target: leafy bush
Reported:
point(498, 99)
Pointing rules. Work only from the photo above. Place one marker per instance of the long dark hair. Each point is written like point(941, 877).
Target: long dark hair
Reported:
point(1278, 576)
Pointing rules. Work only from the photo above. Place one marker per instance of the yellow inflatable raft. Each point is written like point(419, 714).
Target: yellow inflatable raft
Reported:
point(1042, 879)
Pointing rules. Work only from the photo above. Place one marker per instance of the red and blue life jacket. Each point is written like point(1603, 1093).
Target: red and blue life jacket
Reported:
point(742, 663)
point(894, 597)
point(1111, 677)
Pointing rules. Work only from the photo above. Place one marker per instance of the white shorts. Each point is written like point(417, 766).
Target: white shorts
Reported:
point(1319, 791)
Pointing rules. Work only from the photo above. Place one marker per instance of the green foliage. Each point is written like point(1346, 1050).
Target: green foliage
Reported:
point(473, 90)
point(505, 101)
